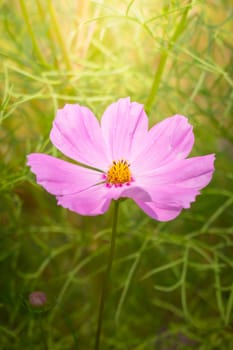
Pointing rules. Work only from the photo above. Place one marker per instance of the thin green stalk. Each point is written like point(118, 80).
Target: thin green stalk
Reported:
point(156, 81)
point(43, 333)
point(163, 60)
point(229, 307)
point(107, 275)
point(51, 40)
point(56, 28)
point(219, 296)
point(129, 279)
point(30, 31)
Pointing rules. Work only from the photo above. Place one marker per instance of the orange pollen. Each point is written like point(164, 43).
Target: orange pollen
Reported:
point(119, 173)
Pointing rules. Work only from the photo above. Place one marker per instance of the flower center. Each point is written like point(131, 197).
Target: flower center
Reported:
point(119, 173)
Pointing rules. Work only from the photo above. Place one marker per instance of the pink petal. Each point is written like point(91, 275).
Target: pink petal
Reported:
point(195, 172)
point(124, 125)
point(175, 186)
point(170, 195)
point(169, 140)
point(173, 195)
point(89, 202)
point(59, 177)
point(132, 191)
point(157, 212)
point(136, 193)
point(77, 134)
point(96, 200)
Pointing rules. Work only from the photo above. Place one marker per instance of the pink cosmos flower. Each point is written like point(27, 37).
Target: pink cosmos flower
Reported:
point(120, 158)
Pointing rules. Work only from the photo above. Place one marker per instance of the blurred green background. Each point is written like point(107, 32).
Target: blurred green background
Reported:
point(171, 283)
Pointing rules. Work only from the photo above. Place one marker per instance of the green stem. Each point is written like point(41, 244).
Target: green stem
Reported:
point(51, 40)
point(156, 81)
point(31, 32)
point(163, 59)
point(43, 333)
point(107, 275)
point(58, 33)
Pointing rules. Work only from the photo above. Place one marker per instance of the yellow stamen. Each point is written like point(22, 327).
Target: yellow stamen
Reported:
point(119, 173)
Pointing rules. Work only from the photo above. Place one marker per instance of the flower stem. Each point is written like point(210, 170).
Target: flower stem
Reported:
point(107, 275)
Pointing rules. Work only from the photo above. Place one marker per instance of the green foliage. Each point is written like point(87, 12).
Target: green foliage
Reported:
point(171, 283)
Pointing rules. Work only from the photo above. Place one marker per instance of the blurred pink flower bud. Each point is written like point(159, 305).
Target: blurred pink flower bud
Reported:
point(37, 298)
